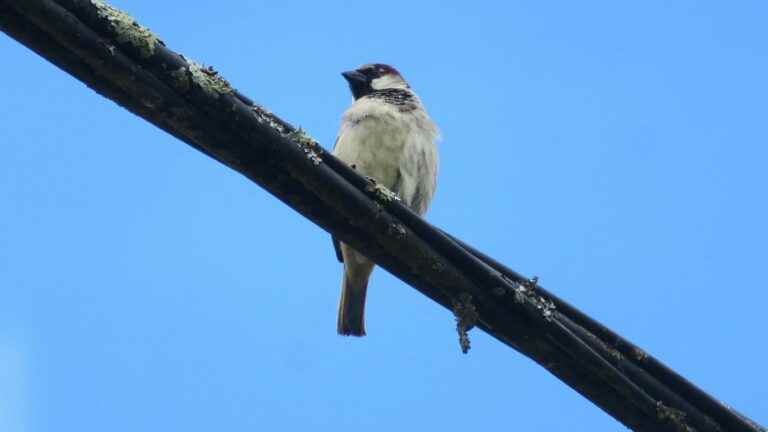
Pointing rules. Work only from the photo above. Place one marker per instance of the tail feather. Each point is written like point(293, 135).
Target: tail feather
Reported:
point(351, 321)
point(354, 285)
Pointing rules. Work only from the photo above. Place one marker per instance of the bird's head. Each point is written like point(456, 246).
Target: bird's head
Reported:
point(371, 77)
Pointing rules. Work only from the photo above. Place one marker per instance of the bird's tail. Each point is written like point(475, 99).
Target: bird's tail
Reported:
point(354, 285)
point(351, 321)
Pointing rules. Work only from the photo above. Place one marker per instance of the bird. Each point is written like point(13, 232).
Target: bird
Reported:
point(386, 135)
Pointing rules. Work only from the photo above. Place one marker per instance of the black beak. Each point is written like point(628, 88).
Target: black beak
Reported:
point(358, 83)
point(354, 77)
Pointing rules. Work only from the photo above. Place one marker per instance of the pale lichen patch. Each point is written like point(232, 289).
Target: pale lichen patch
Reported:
point(546, 307)
point(208, 79)
point(267, 118)
point(524, 290)
point(300, 137)
point(306, 143)
point(639, 354)
point(520, 295)
point(525, 293)
point(381, 192)
point(127, 30)
point(309, 146)
point(675, 416)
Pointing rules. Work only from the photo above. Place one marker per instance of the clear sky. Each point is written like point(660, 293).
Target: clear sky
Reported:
point(616, 150)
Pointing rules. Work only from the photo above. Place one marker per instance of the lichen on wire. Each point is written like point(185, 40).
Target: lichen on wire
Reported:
point(466, 316)
point(127, 30)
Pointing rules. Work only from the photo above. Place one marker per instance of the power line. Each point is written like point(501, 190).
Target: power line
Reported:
point(111, 53)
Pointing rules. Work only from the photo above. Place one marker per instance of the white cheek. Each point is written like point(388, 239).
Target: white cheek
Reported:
point(387, 82)
point(378, 83)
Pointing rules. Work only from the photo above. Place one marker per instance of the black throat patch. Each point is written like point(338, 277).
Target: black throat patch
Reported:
point(403, 99)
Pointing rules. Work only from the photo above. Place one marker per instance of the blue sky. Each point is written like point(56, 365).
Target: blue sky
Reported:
point(617, 151)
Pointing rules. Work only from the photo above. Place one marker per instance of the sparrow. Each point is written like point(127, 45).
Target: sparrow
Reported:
point(387, 136)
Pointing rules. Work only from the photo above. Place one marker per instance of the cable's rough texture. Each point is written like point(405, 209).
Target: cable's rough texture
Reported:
point(111, 53)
